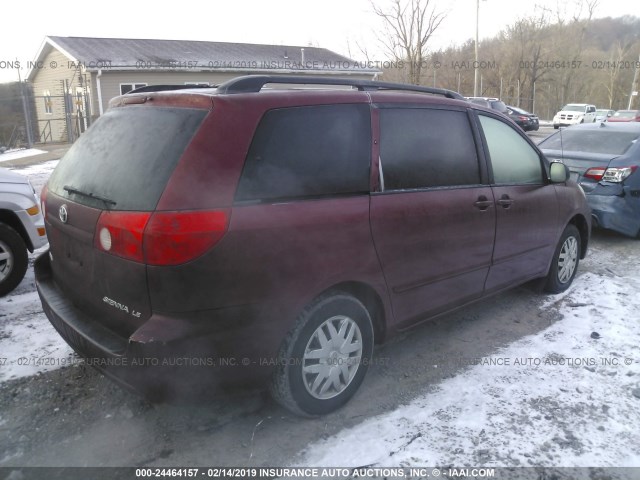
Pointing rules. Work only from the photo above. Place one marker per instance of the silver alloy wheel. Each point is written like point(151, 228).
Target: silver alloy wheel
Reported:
point(332, 357)
point(568, 259)
point(6, 261)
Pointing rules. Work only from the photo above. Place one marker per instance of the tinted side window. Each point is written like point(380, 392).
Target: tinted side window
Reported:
point(427, 148)
point(512, 158)
point(308, 151)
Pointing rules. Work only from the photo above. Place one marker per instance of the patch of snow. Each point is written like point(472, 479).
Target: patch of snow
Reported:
point(38, 174)
point(558, 398)
point(28, 342)
point(19, 153)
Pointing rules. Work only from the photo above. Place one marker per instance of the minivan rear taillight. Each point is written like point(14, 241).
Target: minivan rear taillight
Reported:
point(172, 238)
point(121, 234)
point(160, 238)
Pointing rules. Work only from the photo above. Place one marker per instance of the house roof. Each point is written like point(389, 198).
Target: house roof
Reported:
point(167, 55)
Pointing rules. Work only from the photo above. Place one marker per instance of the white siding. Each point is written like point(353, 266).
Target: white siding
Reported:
point(57, 69)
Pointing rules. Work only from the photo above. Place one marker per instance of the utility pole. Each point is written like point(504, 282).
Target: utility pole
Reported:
point(633, 84)
point(25, 111)
point(475, 66)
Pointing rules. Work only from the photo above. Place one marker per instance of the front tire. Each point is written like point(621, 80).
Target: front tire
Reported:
point(13, 259)
point(324, 358)
point(565, 261)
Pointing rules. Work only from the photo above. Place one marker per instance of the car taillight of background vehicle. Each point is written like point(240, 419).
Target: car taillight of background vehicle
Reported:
point(161, 238)
point(595, 173)
point(523, 118)
point(618, 174)
point(613, 174)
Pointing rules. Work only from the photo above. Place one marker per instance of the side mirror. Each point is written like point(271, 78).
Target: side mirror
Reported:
point(559, 172)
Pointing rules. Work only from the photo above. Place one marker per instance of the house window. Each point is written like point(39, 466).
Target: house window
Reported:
point(48, 107)
point(79, 100)
point(127, 87)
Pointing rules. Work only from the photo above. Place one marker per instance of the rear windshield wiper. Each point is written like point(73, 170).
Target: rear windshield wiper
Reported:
point(74, 190)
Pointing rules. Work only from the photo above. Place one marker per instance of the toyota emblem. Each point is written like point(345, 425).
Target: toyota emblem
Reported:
point(63, 214)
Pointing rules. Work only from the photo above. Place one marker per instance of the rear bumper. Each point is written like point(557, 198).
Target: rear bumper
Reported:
point(618, 210)
point(168, 356)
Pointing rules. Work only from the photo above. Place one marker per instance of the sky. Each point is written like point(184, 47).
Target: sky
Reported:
point(344, 26)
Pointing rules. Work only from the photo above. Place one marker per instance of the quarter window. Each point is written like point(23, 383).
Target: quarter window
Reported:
point(422, 148)
point(513, 160)
point(307, 152)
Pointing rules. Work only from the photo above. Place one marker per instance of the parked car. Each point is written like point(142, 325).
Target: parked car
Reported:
point(525, 120)
point(573, 114)
point(625, 116)
point(604, 158)
point(489, 102)
point(602, 115)
point(235, 236)
point(21, 228)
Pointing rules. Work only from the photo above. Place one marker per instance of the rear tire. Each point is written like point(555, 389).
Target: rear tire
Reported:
point(565, 261)
point(324, 358)
point(13, 259)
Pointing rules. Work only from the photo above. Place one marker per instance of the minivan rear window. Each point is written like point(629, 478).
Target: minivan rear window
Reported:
point(123, 162)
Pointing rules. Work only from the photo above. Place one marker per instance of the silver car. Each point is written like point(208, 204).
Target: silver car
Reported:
point(602, 114)
point(21, 228)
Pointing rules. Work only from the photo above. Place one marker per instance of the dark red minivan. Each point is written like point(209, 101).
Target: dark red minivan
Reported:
point(204, 238)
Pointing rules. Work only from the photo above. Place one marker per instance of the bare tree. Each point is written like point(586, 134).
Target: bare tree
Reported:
point(613, 87)
point(409, 25)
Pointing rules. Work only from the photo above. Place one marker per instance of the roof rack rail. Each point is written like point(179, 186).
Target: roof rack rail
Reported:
point(254, 83)
point(160, 88)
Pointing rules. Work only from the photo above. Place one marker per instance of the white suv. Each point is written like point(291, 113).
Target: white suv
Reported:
point(574, 113)
point(21, 228)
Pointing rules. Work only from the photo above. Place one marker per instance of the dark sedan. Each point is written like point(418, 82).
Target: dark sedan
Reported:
point(604, 158)
point(525, 120)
